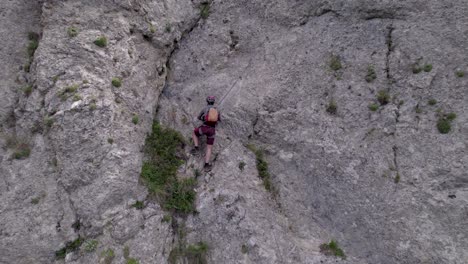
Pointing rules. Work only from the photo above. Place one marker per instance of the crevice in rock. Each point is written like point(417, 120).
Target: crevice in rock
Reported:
point(389, 42)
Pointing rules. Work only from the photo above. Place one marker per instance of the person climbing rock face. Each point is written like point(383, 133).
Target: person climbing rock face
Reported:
point(210, 117)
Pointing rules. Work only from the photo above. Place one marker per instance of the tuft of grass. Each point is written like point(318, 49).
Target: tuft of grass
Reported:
point(432, 101)
point(135, 119)
point(166, 218)
point(397, 178)
point(451, 116)
point(101, 41)
point(196, 173)
point(418, 109)
point(373, 107)
point(205, 10)
point(107, 256)
point(126, 252)
point(152, 28)
point(72, 32)
point(262, 167)
point(33, 36)
point(383, 97)
point(76, 97)
point(27, 90)
point(244, 249)
point(427, 67)
point(49, 122)
point(332, 249)
point(415, 68)
point(69, 247)
point(35, 200)
point(168, 27)
point(32, 46)
point(21, 148)
point(90, 245)
point(132, 261)
point(164, 148)
point(335, 63)
point(196, 253)
point(332, 107)
point(68, 91)
point(241, 165)
point(371, 75)
point(139, 205)
point(460, 74)
point(92, 106)
point(110, 141)
point(444, 126)
point(116, 82)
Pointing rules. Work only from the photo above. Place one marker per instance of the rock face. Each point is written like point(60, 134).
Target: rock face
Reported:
point(295, 78)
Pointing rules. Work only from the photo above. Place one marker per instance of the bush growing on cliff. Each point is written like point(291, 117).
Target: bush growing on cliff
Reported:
point(332, 249)
point(335, 63)
point(371, 75)
point(460, 74)
point(205, 10)
point(332, 107)
point(444, 124)
point(164, 149)
point(72, 32)
point(101, 41)
point(69, 247)
point(383, 97)
point(116, 82)
point(262, 167)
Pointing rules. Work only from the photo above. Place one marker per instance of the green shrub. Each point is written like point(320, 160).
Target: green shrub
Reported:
point(383, 97)
point(32, 46)
point(432, 101)
point(116, 82)
point(416, 68)
point(244, 249)
point(107, 256)
point(205, 10)
point(90, 245)
point(196, 173)
point(22, 150)
point(427, 67)
point(166, 218)
point(332, 249)
point(443, 125)
point(69, 247)
point(68, 91)
point(451, 116)
point(168, 27)
point(132, 261)
point(397, 178)
point(110, 140)
point(418, 109)
point(35, 200)
point(373, 107)
point(335, 63)
point(152, 28)
point(460, 74)
point(101, 41)
point(139, 205)
point(262, 167)
point(163, 149)
point(48, 122)
point(27, 90)
point(76, 97)
point(92, 106)
point(135, 119)
point(72, 32)
point(332, 107)
point(371, 75)
point(241, 165)
point(126, 252)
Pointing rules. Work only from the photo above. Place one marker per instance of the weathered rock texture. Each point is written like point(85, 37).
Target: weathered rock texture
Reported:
point(386, 184)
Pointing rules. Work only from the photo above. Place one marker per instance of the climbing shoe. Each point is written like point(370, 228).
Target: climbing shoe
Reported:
point(194, 151)
point(207, 167)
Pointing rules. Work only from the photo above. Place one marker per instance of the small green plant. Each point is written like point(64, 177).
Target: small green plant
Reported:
point(401, 102)
point(116, 82)
point(68, 91)
point(196, 173)
point(110, 141)
point(335, 63)
point(332, 249)
point(76, 98)
point(427, 67)
point(32, 46)
point(397, 178)
point(451, 116)
point(383, 97)
point(371, 75)
point(107, 256)
point(373, 107)
point(135, 119)
point(90, 245)
point(132, 261)
point(126, 252)
point(152, 28)
point(262, 167)
point(168, 27)
point(460, 74)
point(72, 32)
point(27, 66)
point(166, 218)
point(20, 147)
point(241, 165)
point(416, 68)
point(48, 122)
point(444, 126)
point(332, 107)
point(69, 247)
point(101, 41)
point(27, 90)
point(35, 200)
point(181, 196)
point(205, 10)
point(92, 106)
point(244, 249)
point(196, 253)
point(139, 205)
point(432, 101)
point(418, 109)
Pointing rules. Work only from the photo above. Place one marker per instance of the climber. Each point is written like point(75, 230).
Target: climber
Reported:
point(210, 116)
